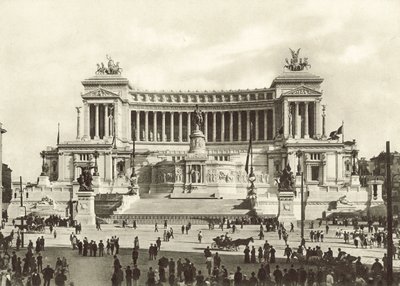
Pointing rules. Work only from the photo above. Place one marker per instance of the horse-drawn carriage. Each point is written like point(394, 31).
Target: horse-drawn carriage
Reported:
point(226, 243)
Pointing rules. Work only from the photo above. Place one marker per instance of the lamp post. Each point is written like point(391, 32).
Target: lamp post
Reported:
point(389, 272)
point(22, 206)
point(95, 155)
point(299, 153)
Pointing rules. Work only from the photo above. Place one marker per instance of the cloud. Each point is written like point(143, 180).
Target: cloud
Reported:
point(49, 47)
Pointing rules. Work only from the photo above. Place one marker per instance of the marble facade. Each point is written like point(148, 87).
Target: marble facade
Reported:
point(286, 117)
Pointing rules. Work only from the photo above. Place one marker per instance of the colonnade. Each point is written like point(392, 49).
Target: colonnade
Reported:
point(301, 119)
point(98, 120)
point(219, 126)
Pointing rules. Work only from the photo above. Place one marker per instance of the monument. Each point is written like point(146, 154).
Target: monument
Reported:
point(286, 196)
point(85, 212)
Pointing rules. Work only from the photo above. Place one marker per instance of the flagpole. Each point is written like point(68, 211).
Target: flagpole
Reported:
point(251, 150)
point(342, 131)
point(58, 134)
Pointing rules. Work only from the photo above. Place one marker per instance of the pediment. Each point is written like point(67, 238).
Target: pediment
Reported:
point(100, 92)
point(301, 91)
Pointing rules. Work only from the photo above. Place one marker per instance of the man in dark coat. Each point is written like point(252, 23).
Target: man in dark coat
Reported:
point(278, 276)
point(135, 255)
point(35, 278)
point(247, 254)
point(48, 273)
point(238, 277)
point(135, 275)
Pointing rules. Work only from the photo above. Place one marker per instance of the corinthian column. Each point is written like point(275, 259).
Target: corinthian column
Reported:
point(86, 120)
point(231, 126)
point(286, 119)
point(172, 127)
point(163, 139)
point(222, 126)
point(306, 120)
point(188, 126)
point(137, 126)
point(96, 124)
point(206, 125)
point(214, 126)
point(239, 114)
point(106, 121)
point(256, 133)
point(78, 123)
point(180, 126)
point(248, 125)
point(146, 125)
point(297, 130)
point(154, 126)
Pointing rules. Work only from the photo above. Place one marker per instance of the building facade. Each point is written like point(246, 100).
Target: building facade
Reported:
point(115, 119)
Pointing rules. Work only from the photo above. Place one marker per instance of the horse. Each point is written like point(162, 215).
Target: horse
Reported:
point(7, 240)
point(240, 241)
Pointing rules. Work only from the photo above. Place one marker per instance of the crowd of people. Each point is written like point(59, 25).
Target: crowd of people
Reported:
point(22, 269)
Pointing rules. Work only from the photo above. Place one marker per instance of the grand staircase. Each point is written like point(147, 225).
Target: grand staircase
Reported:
point(106, 204)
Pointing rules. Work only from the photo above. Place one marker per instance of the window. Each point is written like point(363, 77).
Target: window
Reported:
point(314, 173)
point(315, 156)
point(269, 95)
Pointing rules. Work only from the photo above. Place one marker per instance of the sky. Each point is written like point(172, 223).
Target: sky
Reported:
point(48, 47)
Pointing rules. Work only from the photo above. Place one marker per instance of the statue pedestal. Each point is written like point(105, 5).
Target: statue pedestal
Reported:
point(86, 215)
point(376, 196)
point(197, 142)
point(44, 181)
point(355, 180)
point(286, 214)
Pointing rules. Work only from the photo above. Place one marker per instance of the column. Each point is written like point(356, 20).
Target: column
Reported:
point(180, 126)
point(78, 123)
point(306, 120)
point(231, 126)
point(248, 125)
point(297, 128)
point(188, 126)
point(285, 119)
point(206, 125)
point(239, 113)
point(273, 123)
point(265, 124)
point(146, 125)
point(106, 121)
point(96, 124)
point(222, 126)
point(214, 126)
point(256, 133)
point(317, 122)
point(163, 139)
point(137, 126)
point(172, 127)
point(86, 121)
point(154, 126)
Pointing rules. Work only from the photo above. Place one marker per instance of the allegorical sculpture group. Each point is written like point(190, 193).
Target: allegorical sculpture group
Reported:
point(296, 63)
point(111, 69)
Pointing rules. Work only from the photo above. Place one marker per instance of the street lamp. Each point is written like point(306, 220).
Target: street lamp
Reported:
point(298, 155)
point(22, 206)
point(95, 155)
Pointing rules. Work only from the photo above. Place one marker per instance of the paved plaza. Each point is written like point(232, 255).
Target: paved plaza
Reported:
point(98, 271)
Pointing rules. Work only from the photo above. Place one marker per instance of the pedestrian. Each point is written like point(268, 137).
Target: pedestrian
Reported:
point(128, 276)
point(200, 236)
point(48, 273)
point(135, 275)
point(246, 255)
point(155, 227)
